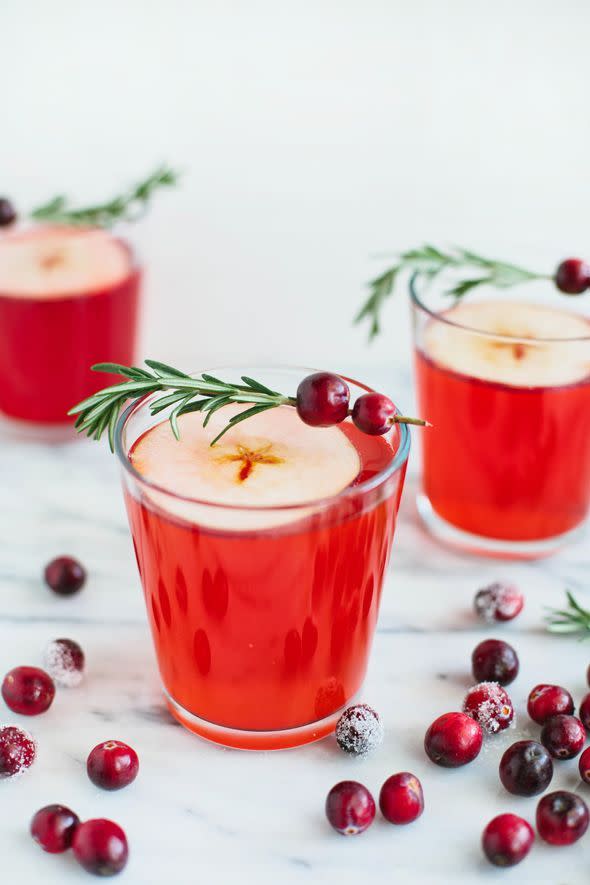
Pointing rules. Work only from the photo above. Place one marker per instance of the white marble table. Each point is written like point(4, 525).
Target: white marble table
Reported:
point(199, 813)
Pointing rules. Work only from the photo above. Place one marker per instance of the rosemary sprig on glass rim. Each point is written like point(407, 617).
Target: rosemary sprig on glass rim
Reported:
point(427, 262)
point(574, 619)
point(129, 206)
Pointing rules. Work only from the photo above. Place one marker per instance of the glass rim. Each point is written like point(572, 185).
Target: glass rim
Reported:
point(418, 302)
point(399, 459)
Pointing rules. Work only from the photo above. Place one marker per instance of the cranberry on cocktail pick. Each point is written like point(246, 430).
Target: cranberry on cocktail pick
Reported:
point(7, 212)
point(350, 808)
point(545, 701)
point(53, 828)
point(507, 840)
point(359, 730)
point(498, 602)
point(65, 575)
point(322, 399)
point(493, 660)
point(374, 413)
point(564, 736)
point(112, 765)
point(489, 704)
point(526, 768)
point(64, 661)
point(562, 818)
point(401, 799)
point(453, 739)
point(573, 276)
point(100, 846)
point(28, 690)
point(17, 751)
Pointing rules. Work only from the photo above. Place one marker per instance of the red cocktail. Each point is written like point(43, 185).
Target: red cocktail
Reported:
point(68, 299)
point(262, 562)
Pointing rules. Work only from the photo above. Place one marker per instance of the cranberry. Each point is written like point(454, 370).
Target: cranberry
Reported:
point(495, 661)
point(65, 575)
point(584, 711)
point(588, 675)
point(53, 828)
point(548, 700)
point(374, 413)
point(572, 276)
point(359, 730)
point(526, 768)
point(64, 661)
point(401, 799)
point(100, 846)
point(112, 765)
point(507, 840)
point(490, 705)
point(350, 808)
point(7, 212)
point(28, 690)
point(453, 739)
point(322, 399)
point(564, 736)
point(584, 765)
point(498, 602)
point(562, 818)
point(17, 751)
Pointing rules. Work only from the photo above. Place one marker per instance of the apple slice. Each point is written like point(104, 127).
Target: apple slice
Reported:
point(517, 362)
point(55, 262)
point(270, 460)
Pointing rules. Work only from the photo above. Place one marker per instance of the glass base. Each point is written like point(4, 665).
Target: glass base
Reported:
point(238, 739)
point(496, 547)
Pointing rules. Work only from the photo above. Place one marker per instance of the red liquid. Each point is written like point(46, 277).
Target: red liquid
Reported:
point(270, 629)
point(505, 462)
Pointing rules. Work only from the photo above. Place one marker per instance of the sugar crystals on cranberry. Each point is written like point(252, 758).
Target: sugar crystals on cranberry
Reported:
point(64, 661)
point(359, 730)
point(17, 751)
point(489, 704)
point(499, 601)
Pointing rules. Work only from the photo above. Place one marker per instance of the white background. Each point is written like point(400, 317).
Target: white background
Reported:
point(313, 135)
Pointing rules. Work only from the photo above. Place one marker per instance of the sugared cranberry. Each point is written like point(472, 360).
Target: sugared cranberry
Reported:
point(28, 690)
point(453, 739)
point(350, 808)
point(100, 846)
point(584, 765)
point(562, 818)
point(7, 212)
point(498, 602)
point(359, 730)
point(493, 660)
point(488, 703)
point(17, 751)
point(526, 768)
point(564, 736)
point(584, 711)
point(401, 799)
point(53, 828)
point(374, 413)
point(65, 575)
point(322, 399)
point(548, 700)
point(573, 276)
point(64, 661)
point(112, 765)
point(507, 840)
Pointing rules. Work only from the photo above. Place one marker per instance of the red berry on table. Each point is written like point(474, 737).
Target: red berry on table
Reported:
point(548, 700)
point(53, 828)
point(588, 675)
point(7, 212)
point(112, 765)
point(564, 736)
point(100, 846)
point(65, 575)
point(322, 399)
point(359, 730)
point(401, 799)
point(489, 704)
point(453, 739)
point(350, 808)
point(374, 413)
point(573, 276)
point(493, 660)
point(28, 690)
point(584, 711)
point(17, 751)
point(507, 840)
point(64, 661)
point(562, 818)
point(526, 768)
point(498, 602)
point(584, 765)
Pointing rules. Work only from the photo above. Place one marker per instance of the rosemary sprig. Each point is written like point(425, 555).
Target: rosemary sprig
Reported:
point(427, 262)
point(126, 207)
point(574, 619)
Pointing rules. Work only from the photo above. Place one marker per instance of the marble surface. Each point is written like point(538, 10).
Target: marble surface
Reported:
point(198, 812)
